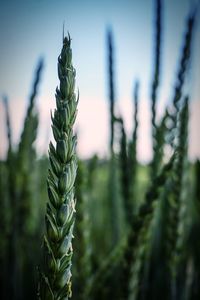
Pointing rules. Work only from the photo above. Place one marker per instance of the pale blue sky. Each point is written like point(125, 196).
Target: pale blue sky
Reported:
point(31, 28)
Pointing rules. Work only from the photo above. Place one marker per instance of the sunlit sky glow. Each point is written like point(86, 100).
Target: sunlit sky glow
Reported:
point(33, 28)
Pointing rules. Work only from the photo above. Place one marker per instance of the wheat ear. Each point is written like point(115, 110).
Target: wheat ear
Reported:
point(59, 219)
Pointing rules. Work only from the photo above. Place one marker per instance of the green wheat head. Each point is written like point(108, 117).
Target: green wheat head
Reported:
point(160, 137)
point(59, 218)
point(181, 76)
point(26, 157)
point(178, 172)
point(29, 131)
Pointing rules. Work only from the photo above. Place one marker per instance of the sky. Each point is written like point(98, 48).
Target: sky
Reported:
point(30, 29)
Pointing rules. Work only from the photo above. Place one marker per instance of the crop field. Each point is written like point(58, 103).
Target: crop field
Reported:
point(103, 228)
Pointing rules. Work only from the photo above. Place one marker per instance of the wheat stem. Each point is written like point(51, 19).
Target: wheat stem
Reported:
point(111, 87)
point(156, 77)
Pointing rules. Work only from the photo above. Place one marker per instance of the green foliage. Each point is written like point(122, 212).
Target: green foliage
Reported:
point(104, 280)
point(139, 227)
point(192, 242)
point(26, 161)
point(19, 197)
point(82, 243)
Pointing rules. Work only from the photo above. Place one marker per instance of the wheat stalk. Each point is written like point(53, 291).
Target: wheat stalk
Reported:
point(124, 170)
point(29, 131)
point(181, 76)
point(6, 190)
point(112, 175)
point(177, 186)
point(101, 280)
point(26, 156)
point(8, 125)
point(160, 136)
point(140, 224)
point(132, 155)
point(59, 220)
point(156, 77)
point(111, 87)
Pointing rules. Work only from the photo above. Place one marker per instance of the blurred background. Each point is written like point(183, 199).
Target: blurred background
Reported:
point(31, 29)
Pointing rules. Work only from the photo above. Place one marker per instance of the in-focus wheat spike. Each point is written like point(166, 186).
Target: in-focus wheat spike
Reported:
point(111, 86)
point(156, 76)
point(59, 219)
point(181, 74)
